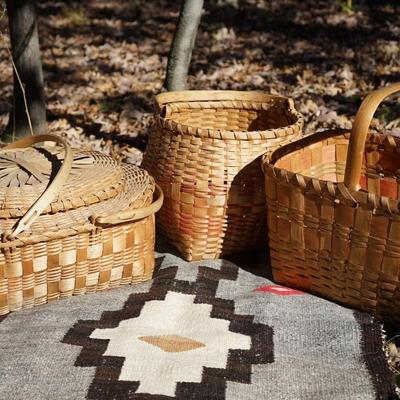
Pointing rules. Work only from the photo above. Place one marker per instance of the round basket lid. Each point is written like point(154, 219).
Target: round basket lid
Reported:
point(137, 194)
point(26, 173)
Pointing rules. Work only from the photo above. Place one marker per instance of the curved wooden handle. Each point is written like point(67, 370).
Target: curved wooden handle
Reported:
point(132, 215)
point(54, 187)
point(358, 137)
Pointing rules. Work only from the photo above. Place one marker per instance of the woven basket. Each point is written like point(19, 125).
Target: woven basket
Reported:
point(204, 152)
point(90, 229)
point(333, 214)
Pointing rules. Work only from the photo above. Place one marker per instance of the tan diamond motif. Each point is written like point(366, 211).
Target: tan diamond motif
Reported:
point(172, 343)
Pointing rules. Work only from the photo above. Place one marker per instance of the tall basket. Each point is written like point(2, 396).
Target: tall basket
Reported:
point(205, 153)
point(333, 214)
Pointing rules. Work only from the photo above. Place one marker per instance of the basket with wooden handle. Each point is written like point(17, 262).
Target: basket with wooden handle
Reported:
point(333, 214)
point(204, 152)
point(71, 222)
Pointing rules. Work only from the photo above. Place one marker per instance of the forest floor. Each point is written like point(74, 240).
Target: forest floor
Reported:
point(105, 60)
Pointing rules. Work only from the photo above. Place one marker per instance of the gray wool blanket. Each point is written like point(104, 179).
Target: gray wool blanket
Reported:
point(205, 330)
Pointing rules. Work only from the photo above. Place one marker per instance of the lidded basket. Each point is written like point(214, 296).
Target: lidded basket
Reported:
point(204, 152)
point(71, 222)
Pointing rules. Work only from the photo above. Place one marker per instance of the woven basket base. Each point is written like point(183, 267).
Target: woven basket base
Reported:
point(88, 262)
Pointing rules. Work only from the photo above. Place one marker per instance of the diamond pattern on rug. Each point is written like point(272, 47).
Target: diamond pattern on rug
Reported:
point(180, 365)
point(172, 343)
point(176, 341)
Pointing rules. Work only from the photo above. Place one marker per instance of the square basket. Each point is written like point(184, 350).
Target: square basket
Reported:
point(204, 152)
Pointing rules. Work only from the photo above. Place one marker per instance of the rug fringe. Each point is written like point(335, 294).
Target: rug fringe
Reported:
point(387, 355)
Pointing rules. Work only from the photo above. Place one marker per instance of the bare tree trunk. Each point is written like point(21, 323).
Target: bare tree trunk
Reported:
point(183, 43)
point(26, 56)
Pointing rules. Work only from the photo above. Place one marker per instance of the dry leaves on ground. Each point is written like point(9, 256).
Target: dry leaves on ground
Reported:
point(104, 61)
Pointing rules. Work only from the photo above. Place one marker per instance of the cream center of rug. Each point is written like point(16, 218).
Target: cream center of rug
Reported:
point(170, 342)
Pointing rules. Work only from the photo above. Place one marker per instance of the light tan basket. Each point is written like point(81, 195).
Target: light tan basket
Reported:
point(333, 214)
point(91, 228)
point(204, 152)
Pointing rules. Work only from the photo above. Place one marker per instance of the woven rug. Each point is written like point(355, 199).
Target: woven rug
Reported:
point(205, 330)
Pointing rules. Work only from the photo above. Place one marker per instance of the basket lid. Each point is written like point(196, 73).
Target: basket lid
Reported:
point(25, 173)
point(134, 202)
point(79, 189)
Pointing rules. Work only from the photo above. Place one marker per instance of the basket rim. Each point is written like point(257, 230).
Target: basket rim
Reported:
point(214, 95)
point(227, 99)
point(336, 191)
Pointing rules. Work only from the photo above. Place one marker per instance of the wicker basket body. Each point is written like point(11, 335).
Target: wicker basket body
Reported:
point(205, 153)
point(333, 215)
point(78, 240)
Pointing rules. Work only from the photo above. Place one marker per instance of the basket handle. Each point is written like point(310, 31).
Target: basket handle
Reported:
point(132, 215)
point(359, 133)
point(51, 191)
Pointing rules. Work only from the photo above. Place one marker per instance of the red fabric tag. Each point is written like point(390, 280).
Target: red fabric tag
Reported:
point(279, 290)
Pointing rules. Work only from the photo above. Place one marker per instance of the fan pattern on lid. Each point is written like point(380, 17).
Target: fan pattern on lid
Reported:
point(34, 166)
point(25, 174)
